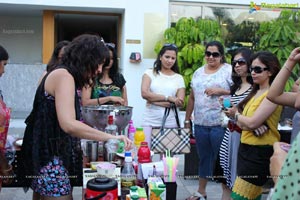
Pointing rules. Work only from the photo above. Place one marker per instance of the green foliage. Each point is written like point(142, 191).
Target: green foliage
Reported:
point(190, 36)
point(281, 36)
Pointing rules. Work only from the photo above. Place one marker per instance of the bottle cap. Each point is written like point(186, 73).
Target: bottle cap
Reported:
point(161, 185)
point(110, 119)
point(133, 188)
point(135, 197)
point(127, 154)
point(139, 129)
point(144, 143)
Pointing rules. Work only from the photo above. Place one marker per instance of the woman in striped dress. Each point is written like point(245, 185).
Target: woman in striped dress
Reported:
point(242, 85)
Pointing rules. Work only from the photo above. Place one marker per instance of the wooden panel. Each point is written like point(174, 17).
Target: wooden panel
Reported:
point(48, 35)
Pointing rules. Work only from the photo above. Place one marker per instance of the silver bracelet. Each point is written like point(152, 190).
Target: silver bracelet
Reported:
point(166, 98)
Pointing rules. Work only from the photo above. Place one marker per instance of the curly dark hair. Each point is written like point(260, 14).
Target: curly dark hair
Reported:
point(272, 62)
point(82, 57)
point(3, 54)
point(236, 79)
point(54, 60)
point(157, 63)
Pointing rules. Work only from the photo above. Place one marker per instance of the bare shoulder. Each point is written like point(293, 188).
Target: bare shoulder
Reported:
point(60, 75)
point(59, 78)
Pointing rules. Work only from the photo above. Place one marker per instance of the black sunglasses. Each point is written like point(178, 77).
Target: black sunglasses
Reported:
point(170, 45)
point(213, 54)
point(258, 69)
point(112, 45)
point(240, 61)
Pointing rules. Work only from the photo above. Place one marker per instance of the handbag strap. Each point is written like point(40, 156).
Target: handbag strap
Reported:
point(164, 119)
point(173, 106)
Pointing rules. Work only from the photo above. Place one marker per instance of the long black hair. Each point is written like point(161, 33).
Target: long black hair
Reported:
point(54, 60)
point(114, 70)
point(157, 63)
point(82, 57)
point(236, 79)
point(272, 62)
point(3, 53)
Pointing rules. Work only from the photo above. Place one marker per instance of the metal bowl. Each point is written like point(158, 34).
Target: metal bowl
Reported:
point(96, 116)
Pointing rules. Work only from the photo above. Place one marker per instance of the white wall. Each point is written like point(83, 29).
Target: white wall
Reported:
point(133, 26)
point(22, 38)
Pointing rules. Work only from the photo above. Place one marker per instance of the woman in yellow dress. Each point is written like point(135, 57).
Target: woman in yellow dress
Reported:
point(258, 117)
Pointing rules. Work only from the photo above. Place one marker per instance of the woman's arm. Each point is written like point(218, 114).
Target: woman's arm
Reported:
point(263, 112)
point(189, 109)
point(216, 91)
point(86, 94)
point(86, 99)
point(277, 160)
point(147, 94)
point(60, 84)
point(276, 93)
point(124, 95)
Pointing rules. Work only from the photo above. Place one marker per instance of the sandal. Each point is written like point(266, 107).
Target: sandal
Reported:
point(196, 196)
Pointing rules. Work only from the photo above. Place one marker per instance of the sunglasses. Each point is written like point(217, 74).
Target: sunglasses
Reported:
point(213, 54)
point(170, 45)
point(258, 69)
point(240, 61)
point(112, 45)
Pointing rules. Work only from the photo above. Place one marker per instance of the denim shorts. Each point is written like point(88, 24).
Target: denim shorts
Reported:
point(52, 180)
point(208, 142)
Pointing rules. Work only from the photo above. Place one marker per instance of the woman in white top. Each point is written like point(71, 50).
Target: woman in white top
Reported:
point(161, 86)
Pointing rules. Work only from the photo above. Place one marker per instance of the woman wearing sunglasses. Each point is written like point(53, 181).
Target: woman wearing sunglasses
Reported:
point(284, 166)
point(208, 83)
point(257, 112)
point(109, 86)
point(242, 85)
point(161, 86)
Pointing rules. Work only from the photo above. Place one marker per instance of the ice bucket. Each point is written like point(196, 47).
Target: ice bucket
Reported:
point(96, 116)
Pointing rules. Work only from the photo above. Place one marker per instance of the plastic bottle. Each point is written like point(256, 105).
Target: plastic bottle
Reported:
point(131, 130)
point(128, 176)
point(144, 156)
point(139, 137)
point(111, 128)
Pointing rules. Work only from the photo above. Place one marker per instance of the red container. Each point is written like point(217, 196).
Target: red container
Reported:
point(102, 188)
point(144, 154)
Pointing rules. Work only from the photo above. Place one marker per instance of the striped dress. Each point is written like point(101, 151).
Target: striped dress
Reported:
point(229, 147)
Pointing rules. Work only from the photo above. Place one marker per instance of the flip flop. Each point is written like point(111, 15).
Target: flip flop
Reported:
point(197, 196)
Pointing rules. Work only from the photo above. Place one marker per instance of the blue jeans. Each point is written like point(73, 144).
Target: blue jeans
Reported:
point(208, 142)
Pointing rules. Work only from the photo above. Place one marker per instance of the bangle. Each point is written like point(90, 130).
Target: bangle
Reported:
point(166, 98)
point(187, 121)
point(287, 68)
point(236, 116)
point(98, 101)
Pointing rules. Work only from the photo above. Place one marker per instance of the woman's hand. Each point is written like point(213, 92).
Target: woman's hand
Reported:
point(126, 140)
point(230, 112)
point(117, 100)
point(295, 55)
point(277, 160)
point(178, 102)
